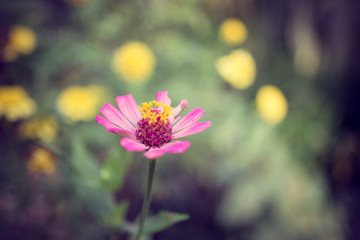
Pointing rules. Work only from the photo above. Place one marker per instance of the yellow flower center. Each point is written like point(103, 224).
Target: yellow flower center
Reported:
point(155, 112)
point(153, 129)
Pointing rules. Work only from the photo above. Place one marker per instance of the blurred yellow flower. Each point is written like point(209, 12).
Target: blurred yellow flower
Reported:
point(271, 104)
point(41, 161)
point(77, 2)
point(233, 31)
point(238, 68)
point(22, 39)
point(44, 128)
point(15, 103)
point(80, 103)
point(134, 62)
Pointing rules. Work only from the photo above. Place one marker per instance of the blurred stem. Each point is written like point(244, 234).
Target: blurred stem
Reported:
point(147, 198)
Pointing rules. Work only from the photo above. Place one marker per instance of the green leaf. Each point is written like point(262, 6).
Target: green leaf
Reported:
point(87, 181)
point(157, 223)
point(84, 165)
point(114, 169)
point(118, 214)
point(98, 201)
point(163, 220)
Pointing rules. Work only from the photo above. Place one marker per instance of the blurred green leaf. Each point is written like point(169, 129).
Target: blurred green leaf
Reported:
point(118, 214)
point(163, 220)
point(98, 201)
point(157, 223)
point(84, 164)
point(114, 169)
point(87, 180)
point(242, 204)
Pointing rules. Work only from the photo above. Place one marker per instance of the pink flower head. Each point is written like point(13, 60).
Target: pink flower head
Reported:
point(152, 126)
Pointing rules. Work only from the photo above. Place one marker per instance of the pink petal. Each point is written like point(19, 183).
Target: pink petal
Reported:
point(132, 145)
point(189, 119)
point(163, 97)
point(195, 128)
point(114, 129)
point(104, 122)
point(184, 104)
point(129, 108)
point(173, 147)
point(123, 132)
point(174, 120)
point(114, 116)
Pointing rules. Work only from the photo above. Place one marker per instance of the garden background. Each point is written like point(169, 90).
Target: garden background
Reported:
point(278, 80)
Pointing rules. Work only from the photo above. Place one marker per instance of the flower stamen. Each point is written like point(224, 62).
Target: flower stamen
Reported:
point(154, 127)
point(160, 111)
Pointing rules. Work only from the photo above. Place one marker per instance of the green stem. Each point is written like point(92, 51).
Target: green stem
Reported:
point(147, 198)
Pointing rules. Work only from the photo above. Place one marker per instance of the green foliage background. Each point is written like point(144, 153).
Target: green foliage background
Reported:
point(265, 176)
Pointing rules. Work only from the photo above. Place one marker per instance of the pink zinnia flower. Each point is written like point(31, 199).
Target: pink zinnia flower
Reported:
point(152, 126)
